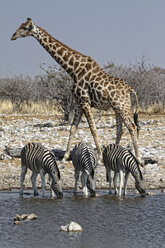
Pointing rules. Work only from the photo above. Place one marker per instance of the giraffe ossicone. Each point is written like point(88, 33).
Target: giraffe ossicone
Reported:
point(92, 87)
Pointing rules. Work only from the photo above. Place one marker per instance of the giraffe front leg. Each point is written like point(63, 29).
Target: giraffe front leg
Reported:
point(88, 113)
point(73, 130)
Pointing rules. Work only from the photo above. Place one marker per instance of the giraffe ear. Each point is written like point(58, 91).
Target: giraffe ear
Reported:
point(30, 23)
point(31, 26)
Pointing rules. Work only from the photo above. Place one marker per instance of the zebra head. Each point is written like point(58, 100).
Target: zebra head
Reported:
point(56, 186)
point(139, 187)
point(56, 183)
point(139, 183)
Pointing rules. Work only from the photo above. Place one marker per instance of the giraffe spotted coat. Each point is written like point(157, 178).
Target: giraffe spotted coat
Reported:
point(92, 86)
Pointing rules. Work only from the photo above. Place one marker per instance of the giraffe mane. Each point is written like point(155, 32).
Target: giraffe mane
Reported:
point(72, 50)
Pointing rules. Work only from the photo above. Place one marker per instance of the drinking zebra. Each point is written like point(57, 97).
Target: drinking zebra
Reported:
point(40, 160)
point(84, 160)
point(122, 162)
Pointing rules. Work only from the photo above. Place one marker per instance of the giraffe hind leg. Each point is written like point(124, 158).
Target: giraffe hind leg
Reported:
point(133, 132)
point(119, 130)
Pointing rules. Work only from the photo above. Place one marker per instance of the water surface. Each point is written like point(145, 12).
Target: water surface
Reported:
point(131, 222)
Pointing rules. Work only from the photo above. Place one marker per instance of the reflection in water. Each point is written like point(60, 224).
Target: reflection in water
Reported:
point(130, 222)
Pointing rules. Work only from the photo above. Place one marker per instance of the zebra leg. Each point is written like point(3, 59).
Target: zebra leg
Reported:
point(108, 175)
point(119, 130)
point(33, 180)
point(84, 178)
point(73, 130)
point(121, 177)
point(42, 174)
point(125, 183)
point(22, 178)
point(76, 176)
point(116, 174)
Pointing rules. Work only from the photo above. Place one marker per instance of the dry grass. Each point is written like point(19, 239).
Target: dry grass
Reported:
point(153, 109)
point(40, 107)
point(49, 107)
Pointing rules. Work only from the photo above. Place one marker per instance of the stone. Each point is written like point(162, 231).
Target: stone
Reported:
point(4, 156)
point(16, 222)
point(71, 227)
point(150, 193)
point(32, 217)
point(18, 218)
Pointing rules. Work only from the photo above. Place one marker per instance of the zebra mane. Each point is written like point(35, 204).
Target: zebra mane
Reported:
point(141, 176)
point(55, 162)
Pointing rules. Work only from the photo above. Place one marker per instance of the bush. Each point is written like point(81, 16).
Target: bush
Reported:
point(55, 85)
point(148, 81)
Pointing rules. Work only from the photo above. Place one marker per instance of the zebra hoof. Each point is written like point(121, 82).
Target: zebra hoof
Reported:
point(60, 195)
point(93, 194)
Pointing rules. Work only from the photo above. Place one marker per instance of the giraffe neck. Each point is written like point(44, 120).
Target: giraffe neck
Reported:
point(68, 58)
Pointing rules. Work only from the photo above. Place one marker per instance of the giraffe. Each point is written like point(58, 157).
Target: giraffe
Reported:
point(92, 87)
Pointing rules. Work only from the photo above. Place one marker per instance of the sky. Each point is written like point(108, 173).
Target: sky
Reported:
point(118, 31)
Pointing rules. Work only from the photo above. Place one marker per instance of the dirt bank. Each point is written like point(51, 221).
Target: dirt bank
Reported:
point(16, 131)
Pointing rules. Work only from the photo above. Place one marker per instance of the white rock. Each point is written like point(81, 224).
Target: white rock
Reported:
point(4, 156)
point(150, 193)
point(71, 227)
point(32, 217)
point(25, 217)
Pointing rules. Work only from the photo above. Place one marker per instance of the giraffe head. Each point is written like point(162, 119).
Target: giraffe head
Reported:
point(26, 29)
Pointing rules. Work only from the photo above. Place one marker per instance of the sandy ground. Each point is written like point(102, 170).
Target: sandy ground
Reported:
point(16, 131)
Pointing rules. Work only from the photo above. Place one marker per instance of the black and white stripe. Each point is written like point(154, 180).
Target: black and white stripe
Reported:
point(39, 159)
point(84, 160)
point(122, 162)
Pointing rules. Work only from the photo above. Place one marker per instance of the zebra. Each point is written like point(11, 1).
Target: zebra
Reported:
point(84, 160)
point(122, 162)
point(40, 160)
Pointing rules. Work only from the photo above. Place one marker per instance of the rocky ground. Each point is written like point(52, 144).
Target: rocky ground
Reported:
point(16, 131)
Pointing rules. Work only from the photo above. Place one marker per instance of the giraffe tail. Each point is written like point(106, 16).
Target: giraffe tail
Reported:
point(135, 116)
point(136, 121)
